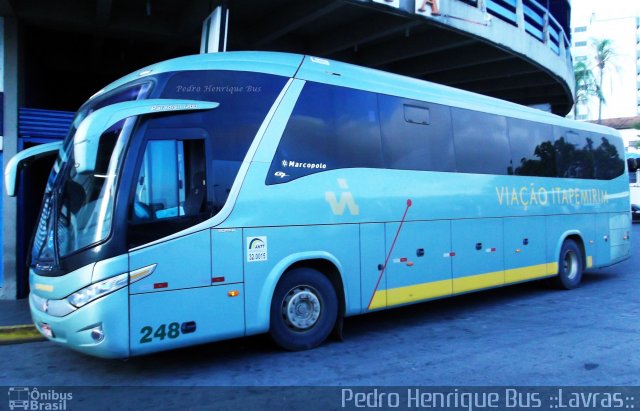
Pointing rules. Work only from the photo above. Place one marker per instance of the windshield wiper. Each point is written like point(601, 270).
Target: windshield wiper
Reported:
point(50, 264)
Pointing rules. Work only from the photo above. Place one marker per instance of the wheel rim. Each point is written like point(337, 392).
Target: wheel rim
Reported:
point(301, 308)
point(571, 265)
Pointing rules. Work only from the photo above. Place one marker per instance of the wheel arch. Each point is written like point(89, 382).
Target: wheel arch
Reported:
point(577, 237)
point(321, 261)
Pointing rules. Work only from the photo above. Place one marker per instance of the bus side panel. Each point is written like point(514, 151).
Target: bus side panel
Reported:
point(182, 262)
point(619, 234)
point(226, 256)
point(479, 255)
point(419, 266)
point(559, 227)
point(172, 319)
point(524, 249)
point(176, 305)
point(603, 246)
point(285, 246)
point(372, 255)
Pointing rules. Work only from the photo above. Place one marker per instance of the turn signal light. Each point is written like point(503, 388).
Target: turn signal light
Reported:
point(233, 293)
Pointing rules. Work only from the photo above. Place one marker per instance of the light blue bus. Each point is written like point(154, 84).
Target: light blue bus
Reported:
point(223, 195)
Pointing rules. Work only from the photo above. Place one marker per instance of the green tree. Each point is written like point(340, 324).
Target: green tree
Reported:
point(605, 56)
point(636, 144)
point(586, 86)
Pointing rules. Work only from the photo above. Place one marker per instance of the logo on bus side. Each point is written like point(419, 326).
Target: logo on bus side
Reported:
point(173, 107)
point(525, 197)
point(256, 249)
point(299, 164)
point(346, 200)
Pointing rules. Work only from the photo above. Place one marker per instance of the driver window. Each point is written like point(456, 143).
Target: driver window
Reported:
point(171, 182)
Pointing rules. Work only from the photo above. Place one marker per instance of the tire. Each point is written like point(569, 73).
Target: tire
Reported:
point(570, 266)
point(304, 310)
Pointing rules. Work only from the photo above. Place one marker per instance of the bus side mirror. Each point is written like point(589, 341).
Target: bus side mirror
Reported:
point(21, 160)
point(632, 164)
point(87, 137)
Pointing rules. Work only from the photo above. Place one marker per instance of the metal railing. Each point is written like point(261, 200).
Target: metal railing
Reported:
point(530, 16)
point(536, 21)
point(527, 15)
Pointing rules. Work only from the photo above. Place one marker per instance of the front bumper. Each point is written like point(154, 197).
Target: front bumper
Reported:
point(79, 330)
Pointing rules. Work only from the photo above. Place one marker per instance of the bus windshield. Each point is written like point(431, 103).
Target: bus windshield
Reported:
point(81, 203)
point(188, 164)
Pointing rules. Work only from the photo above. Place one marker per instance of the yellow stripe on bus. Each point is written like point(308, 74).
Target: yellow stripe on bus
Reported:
point(477, 282)
point(379, 300)
point(515, 275)
point(418, 292)
point(435, 289)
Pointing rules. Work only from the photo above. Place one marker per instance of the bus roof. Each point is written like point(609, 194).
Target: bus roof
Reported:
point(348, 75)
point(281, 64)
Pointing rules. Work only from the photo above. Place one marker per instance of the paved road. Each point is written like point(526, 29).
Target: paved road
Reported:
point(520, 335)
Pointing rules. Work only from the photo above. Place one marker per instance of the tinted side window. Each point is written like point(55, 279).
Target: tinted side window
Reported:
point(330, 127)
point(532, 152)
point(170, 190)
point(244, 97)
point(608, 157)
point(481, 142)
point(574, 153)
point(416, 135)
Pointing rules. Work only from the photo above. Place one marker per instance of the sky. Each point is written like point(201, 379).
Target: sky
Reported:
point(581, 10)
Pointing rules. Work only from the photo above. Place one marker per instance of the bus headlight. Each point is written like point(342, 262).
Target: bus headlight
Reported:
point(97, 290)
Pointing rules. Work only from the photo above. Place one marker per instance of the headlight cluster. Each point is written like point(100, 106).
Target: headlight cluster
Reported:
point(97, 290)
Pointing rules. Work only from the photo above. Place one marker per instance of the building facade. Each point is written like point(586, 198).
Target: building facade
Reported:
point(621, 75)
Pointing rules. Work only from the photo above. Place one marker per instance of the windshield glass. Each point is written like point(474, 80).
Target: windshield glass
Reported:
point(82, 203)
point(85, 201)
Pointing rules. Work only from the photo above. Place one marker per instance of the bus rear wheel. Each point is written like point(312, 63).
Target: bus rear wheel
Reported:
point(304, 310)
point(570, 266)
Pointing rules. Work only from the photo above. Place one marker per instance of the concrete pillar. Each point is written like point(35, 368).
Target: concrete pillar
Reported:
point(520, 15)
point(482, 6)
point(11, 81)
point(545, 31)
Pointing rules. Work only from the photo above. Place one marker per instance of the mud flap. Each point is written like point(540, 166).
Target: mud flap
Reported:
point(337, 329)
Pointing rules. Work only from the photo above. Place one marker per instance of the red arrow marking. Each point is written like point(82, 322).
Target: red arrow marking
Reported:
point(384, 267)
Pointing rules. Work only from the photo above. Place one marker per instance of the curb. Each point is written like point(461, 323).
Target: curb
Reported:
point(18, 334)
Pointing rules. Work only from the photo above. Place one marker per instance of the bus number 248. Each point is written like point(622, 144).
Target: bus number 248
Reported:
point(163, 331)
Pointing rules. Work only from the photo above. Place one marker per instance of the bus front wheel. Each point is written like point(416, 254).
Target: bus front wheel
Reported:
point(569, 266)
point(304, 310)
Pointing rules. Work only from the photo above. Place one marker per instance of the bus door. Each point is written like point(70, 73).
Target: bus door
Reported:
point(176, 297)
point(419, 265)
